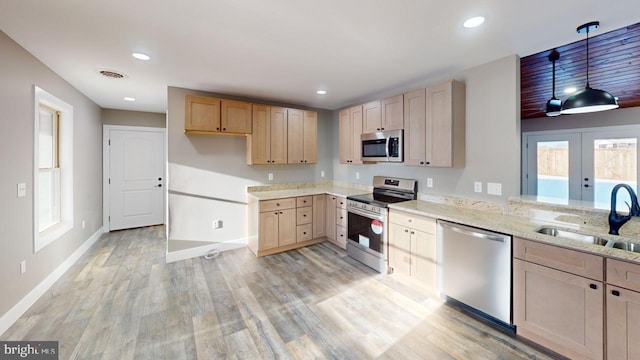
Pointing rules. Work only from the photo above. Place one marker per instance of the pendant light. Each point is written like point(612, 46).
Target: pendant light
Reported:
point(554, 105)
point(589, 100)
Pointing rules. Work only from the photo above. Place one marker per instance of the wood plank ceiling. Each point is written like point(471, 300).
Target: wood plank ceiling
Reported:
point(614, 66)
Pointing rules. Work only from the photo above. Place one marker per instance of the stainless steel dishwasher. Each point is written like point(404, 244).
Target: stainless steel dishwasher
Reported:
point(476, 271)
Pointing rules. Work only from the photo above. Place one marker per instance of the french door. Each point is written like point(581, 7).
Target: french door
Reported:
point(581, 164)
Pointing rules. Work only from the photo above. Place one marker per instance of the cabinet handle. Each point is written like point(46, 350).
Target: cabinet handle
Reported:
point(615, 293)
point(301, 161)
point(413, 233)
point(217, 128)
point(428, 163)
point(593, 286)
point(406, 230)
point(304, 233)
point(409, 220)
point(381, 128)
point(276, 213)
point(305, 161)
point(280, 212)
point(224, 129)
point(421, 162)
point(304, 215)
point(378, 129)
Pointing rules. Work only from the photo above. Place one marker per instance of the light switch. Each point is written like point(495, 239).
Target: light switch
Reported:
point(270, 176)
point(22, 190)
point(322, 173)
point(477, 186)
point(494, 189)
point(429, 182)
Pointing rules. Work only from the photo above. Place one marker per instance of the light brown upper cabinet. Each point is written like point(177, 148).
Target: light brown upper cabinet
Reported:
point(268, 142)
point(371, 117)
point(393, 113)
point(434, 122)
point(201, 113)
point(350, 131)
point(236, 117)
point(380, 115)
point(216, 116)
point(302, 134)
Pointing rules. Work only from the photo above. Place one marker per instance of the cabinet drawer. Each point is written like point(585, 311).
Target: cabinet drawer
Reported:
point(341, 217)
point(575, 262)
point(417, 222)
point(304, 215)
point(341, 202)
point(304, 232)
point(304, 201)
point(277, 204)
point(341, 236)
point(623, 274)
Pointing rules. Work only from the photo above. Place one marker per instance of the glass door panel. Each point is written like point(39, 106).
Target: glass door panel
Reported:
point(610, 158)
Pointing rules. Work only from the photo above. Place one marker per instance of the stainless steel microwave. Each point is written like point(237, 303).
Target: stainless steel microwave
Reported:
point(383, 146)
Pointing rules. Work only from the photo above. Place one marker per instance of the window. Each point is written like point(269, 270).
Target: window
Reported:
point(53, 168)
point(581, 164)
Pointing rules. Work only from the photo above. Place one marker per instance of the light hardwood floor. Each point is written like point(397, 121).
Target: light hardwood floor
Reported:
point(121, 301)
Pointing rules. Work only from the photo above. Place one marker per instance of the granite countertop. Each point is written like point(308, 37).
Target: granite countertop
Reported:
point(307, 191)
point(518, 226)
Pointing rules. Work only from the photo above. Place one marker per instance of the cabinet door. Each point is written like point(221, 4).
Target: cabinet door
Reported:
point(259, 142)
point(371, 117)
point(423, 257)
point(346, 150)
point(310, 137)
point(278, 135)
point(558, 310)
point(393, 113)
point(400, 249)
point(319, 216)
point(295, 136)
point(268, 230)
point(623, 327)
point(287, 233)
point(356, 131)
point(201, 113)
point(331, 218)
point(236, 117)
point(414, 128)
point(439, 122)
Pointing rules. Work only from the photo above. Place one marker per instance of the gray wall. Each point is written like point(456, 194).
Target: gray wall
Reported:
point(627, 116)
point(19, 72)
point(214, 166)
point(133, 118)
point(492, 137)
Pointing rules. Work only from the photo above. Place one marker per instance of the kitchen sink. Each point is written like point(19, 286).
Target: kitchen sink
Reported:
point(567, 234)
point(624, 245)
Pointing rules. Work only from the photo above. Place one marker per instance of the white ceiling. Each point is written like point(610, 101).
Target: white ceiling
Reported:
point(284, 50)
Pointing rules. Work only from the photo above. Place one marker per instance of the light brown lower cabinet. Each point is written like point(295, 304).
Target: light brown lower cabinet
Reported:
point(412, 246)
point(336, 220)
point(284, 224)
point(319, 216)
point(560, 310)
point(623, 310)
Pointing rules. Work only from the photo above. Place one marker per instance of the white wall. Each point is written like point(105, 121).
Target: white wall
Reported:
point(19, 72)
point(492, 137)
point(133, 118)
point(212, 171)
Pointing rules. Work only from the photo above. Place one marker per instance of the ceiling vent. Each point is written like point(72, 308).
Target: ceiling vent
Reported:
point(112, 74)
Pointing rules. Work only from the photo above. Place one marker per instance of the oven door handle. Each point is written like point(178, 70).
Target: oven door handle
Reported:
point(365, 214)
point(386, 148)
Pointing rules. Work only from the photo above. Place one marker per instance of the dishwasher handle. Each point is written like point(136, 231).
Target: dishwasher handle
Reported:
point(474, 232)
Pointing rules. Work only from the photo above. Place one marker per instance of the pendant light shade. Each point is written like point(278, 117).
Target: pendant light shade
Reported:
point(554, 105)
point(589, 99)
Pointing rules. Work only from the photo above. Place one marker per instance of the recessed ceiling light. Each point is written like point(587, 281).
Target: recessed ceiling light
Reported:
point(127, 98)
point(473, 22)
point(570, 90)
point(321, 92)
point(141, 56)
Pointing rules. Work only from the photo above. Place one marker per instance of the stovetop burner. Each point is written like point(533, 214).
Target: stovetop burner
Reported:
point(388, 191)
point(380, 200)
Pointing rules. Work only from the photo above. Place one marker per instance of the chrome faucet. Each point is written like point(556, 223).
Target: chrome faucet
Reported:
point(616, 221)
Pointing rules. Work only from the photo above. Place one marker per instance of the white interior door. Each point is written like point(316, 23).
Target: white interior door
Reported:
point(136, 177)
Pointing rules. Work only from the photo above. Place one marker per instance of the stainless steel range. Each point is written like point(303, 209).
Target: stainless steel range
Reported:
point(367, 217)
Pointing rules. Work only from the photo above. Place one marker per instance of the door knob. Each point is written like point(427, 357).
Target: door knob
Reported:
point(159, 185)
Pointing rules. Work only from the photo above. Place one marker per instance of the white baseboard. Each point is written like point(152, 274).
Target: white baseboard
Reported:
point(23, 305)
point(202, 250)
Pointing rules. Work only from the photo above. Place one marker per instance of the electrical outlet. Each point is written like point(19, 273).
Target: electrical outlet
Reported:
point(23, 267)
point(322, 173)
point(217, 224)
point(494, 189)
point(429, 182)
point(477, 186)
point(22, 190)
point(270, 176)
point(357, 175)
